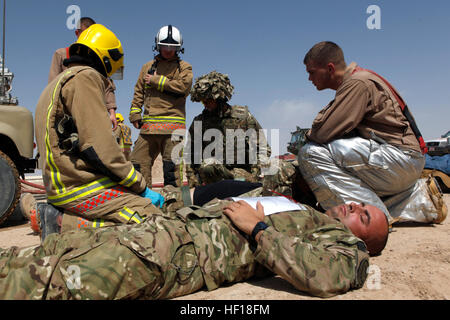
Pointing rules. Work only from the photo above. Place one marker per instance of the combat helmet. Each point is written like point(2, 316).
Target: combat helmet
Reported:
point(213, 85)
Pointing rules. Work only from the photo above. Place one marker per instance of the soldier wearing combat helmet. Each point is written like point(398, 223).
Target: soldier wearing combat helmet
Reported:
point(239, 159)
point(212, 86)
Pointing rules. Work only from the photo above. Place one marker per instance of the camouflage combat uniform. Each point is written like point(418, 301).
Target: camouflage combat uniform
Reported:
point(180, 252)
point(249, 155)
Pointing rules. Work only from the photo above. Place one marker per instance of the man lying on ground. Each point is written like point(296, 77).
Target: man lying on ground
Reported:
point(183, 250)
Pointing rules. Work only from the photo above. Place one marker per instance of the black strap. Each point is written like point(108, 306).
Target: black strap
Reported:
point(259, 226)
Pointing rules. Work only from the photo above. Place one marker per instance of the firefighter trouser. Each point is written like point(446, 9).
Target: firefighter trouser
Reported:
point(111, 206)
point(363, 170)
point(146, 150)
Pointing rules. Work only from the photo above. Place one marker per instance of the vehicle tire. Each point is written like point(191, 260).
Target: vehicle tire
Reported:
point(9, 187)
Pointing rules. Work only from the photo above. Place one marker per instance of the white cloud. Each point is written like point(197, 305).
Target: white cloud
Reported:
point(292, 112)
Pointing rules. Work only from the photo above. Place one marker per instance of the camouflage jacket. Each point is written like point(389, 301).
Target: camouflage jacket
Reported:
point(313, 252)
point(177, 253)
point(246, 154)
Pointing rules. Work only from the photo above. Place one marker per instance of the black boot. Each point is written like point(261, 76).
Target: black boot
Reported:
point(169, 173)
point(50, 220)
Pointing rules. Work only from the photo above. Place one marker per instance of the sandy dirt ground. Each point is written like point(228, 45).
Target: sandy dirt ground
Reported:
point(414, 265)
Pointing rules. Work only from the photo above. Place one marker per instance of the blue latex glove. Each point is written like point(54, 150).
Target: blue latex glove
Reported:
point(155, 197)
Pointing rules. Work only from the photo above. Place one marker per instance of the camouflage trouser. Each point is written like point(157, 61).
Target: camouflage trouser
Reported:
point(146, 150)
point(103, 264)
point(281, 181)
point(208, 173)
point(108, 263)
point(111, 206)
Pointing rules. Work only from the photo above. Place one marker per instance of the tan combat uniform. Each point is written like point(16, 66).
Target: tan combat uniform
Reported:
point(164, 104)
point(365, 103)
point(57, 67)
point(93, 183)
point(123, 137)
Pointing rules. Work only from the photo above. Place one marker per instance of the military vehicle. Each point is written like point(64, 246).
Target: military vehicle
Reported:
point(298, 139)
point(439, 147)
point(16, 145)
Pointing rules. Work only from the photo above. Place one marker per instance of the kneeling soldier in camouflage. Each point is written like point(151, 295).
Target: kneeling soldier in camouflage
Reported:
point(183, 250)
point(238, 157)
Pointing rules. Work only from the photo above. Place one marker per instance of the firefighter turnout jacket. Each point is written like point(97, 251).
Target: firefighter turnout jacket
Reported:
point(164, 98)
point(57, 67)
point(80, 154)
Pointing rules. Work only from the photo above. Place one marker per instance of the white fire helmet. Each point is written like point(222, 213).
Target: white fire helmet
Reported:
point(169, 36)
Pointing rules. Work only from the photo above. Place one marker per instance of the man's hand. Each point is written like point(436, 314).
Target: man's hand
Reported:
point(156, 198)
point(112, 116)
point(147, 77)
point(136, 124)
point(244, 216)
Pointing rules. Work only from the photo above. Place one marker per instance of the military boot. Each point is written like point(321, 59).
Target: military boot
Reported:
point(169, 173)
point(437, 197)
point(44, 218)
point(28, 207)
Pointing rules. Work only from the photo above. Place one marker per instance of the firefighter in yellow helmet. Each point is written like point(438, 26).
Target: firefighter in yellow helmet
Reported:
point(123, 136)
point(57, 66)
point(87, 177)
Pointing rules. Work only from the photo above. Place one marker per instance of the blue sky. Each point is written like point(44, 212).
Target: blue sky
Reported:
point(259, 44)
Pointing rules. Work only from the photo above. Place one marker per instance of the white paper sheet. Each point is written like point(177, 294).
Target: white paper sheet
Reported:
point(272, 204)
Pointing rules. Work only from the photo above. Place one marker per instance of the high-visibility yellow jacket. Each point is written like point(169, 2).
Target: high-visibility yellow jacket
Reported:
point(97, 162)
point(164, 98)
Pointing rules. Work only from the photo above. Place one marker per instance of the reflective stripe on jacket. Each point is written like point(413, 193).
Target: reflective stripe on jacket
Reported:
point(97, 161)
point(163, 100)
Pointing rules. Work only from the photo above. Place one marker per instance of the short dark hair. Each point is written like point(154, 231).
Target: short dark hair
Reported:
point(86, 21)
point(325, 52)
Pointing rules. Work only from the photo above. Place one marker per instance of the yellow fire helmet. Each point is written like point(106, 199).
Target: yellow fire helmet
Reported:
point(106, 46)
point(119, 117)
